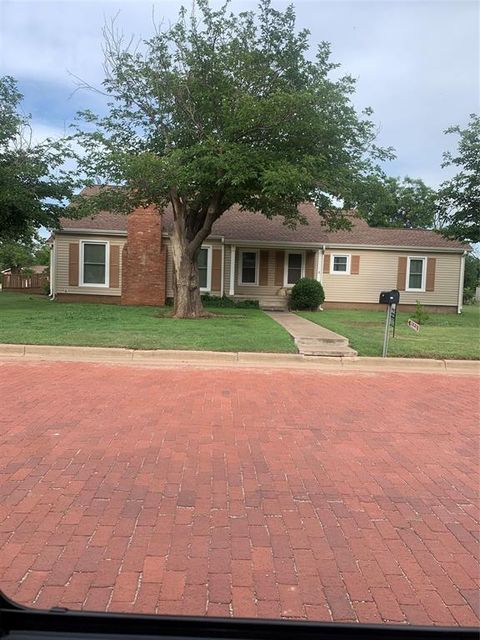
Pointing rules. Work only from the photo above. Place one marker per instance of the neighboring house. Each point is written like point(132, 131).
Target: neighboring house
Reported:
point(127, 260)
point(35, 269)
point(28, 280)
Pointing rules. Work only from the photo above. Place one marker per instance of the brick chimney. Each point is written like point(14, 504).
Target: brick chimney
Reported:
point(144, 270)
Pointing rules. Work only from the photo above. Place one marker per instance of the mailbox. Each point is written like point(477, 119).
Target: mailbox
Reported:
point(389, 297)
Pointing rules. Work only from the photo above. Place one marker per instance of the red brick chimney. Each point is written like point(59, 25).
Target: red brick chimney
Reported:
point(144, 270)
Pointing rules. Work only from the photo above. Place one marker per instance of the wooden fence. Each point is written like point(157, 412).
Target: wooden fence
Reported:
point(21, 282)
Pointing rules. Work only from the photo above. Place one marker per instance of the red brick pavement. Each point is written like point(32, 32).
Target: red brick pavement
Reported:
point(340, 497)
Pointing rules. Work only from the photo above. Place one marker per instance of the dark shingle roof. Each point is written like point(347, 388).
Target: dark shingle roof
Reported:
point(237, 225)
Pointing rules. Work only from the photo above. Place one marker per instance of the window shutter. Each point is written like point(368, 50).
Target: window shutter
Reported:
point(309, 264)
point(73, 248)
point(114, 266)
point(326, 263)
point(355, 267)
point(431, 265)
point(216, 269)
point(263, 277)
point(279, 266)
point(402, 273)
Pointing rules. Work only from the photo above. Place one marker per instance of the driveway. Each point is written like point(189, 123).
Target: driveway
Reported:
point(346, 497)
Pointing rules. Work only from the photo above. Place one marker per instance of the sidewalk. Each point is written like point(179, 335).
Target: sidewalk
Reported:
point(226, 359)
point(312, 339)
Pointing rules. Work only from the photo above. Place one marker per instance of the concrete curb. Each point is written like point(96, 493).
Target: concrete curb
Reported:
point(221, 359)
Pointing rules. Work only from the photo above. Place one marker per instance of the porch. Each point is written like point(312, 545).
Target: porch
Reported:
point(267, 274)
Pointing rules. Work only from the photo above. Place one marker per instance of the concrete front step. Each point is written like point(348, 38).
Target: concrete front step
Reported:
point(333, 353)
point(328, 340)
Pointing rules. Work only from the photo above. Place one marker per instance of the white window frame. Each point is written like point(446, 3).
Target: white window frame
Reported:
point(348, 256)
point(424, 274)
point(285, 267)
point(95, 285)
point(208, 288)
point(240, 267)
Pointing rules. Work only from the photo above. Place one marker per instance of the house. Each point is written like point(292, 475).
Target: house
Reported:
point(127, 260)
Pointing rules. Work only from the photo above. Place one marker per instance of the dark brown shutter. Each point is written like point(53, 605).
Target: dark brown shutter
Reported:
point(401, 273)
point(263, 278)
point(431, 266)
point(279, 267)
point(309, 264)
point(216, 269)
point(326, 263)
point(355, 268)
point(73, 264)
point(114, 266)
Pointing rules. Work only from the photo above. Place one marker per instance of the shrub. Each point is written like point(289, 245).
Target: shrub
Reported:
point(420, 315)
point(224, 301)
point(469, 294)
point(46, 288)
point(307, 295)
point(247, 304)
point(216, 301)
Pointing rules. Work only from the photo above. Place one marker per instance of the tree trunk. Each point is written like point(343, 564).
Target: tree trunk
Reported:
point(187, 302)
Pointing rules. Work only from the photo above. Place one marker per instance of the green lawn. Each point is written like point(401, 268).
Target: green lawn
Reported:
point(29, 319)
point(444, 335)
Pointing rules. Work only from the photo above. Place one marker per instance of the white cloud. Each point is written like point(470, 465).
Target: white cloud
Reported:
point(416, 61)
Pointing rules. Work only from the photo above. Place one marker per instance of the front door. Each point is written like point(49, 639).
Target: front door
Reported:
point(294, 268)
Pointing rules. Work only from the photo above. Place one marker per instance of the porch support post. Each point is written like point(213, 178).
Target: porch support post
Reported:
point(319, 265)
point(232, 269)
point(222, 281)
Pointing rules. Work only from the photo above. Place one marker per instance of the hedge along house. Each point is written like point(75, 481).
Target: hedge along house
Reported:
point(127, 260)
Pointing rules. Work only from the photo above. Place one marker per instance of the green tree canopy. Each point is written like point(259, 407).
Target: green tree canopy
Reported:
point(33, 189)
point(459, 198)
point(221, 109)
point(16, 255)
point(394, 202)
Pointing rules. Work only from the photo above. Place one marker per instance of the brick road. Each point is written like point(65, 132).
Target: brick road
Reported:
point(346, 497)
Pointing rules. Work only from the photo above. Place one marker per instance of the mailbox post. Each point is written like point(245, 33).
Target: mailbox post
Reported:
point(391, 299)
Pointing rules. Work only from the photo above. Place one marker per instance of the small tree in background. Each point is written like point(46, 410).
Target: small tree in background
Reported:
point(407, 203)
point(34, 190)
point(459, 198)
point(221, 109)
point(16, 255)
point(472, 277)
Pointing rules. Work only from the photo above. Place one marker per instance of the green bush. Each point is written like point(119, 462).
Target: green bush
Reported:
point(224, 301)
point(469, 295)
point(46, 288)
point(216, 301)
point(420, 315)
point(307, 295)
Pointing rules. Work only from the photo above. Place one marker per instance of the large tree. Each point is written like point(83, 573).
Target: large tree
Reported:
point(33, 188)
point(459, 198)
point(395, 202)
point(221, 109)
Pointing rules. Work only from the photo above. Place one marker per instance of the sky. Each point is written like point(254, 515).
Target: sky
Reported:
point(416, 62)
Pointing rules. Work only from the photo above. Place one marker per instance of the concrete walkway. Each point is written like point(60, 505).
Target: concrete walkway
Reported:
point(311, 339)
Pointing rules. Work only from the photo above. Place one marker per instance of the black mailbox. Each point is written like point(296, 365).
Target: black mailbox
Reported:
point(389, 297)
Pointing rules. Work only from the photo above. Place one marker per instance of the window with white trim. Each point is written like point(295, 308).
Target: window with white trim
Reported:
point(204, 265)
point(249, 267)
point(416, 274)
point(294, 268)
point(340, 264)
point(94, 264)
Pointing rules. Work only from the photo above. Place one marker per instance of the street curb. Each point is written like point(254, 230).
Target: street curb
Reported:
point(169, 358)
